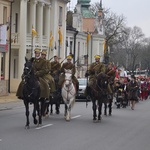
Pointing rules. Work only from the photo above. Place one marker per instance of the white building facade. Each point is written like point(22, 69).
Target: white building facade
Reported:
point(46, 16)
point(4, 43)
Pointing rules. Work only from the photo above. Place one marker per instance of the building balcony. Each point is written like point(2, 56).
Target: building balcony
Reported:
point(15, 40)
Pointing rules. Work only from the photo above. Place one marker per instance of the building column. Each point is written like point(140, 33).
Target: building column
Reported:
point(0, 63)
point(54, 26)
point(47, 27)
point(40, 23)
point(62, 50)
point(33, 4)
point(23, 35)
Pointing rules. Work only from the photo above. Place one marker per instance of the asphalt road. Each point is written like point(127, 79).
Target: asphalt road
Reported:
point(124, 130)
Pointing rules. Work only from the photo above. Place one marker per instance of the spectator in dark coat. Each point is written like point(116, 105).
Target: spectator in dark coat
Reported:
point(133, 91)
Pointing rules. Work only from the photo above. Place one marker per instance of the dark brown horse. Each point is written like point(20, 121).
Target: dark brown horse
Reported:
point(99, 94)
point(55, 99)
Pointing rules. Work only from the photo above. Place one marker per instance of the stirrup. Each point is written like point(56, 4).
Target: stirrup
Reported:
point(88, 97)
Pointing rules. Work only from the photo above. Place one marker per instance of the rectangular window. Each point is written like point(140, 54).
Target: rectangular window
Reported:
point(16, 23)
point(14, 68)
point(4, 15)
point(2, 66)
point(60, 16)
point(71, 44)
point(79, 62)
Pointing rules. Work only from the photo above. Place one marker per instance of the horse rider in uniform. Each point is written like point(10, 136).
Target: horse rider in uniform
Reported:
point(39, 66)
point(71, 66)
point(111, 72)
point(55, 69)
point(94, 69)
point(48, 76)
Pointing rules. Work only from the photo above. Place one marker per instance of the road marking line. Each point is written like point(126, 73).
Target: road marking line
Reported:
point(76, 117)
point(48, 125)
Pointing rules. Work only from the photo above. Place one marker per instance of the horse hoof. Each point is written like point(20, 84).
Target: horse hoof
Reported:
point(57, 112)
point(95, 121)
point(99, 118)
point(27, 127)
point(51, 113)
point(46, 116)
point(35, 122)
point(39, 125)
point(67, 120)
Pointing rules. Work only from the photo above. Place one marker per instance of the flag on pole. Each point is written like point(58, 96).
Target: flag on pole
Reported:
point(51, 40)
point(88, 37)
point(105, 47)
point(60, 36)
point(34, 33)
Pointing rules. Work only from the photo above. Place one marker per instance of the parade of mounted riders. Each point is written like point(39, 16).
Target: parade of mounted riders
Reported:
point(49, 82)
point(46, 47)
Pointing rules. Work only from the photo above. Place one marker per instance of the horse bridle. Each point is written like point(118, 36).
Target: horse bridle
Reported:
point(98, 85)
point(27, 75)
point(70, 82)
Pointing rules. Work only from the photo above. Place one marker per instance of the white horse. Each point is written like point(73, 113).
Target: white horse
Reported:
point(68, 93)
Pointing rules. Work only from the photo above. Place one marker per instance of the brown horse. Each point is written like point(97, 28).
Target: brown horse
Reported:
point(99, 94)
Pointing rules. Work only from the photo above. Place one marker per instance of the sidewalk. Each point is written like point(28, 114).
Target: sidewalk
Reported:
point(11, 97)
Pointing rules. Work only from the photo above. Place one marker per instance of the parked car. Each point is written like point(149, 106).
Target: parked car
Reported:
point(82, 86)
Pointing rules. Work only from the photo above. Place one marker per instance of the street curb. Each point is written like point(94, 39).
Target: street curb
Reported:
point(11, 97)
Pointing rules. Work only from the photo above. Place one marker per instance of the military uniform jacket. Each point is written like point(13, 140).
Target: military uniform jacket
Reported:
point(68, 66)
point(112, 74)
point(96, 68)
point(40, 67)
point(48, 66)
point(55, 67)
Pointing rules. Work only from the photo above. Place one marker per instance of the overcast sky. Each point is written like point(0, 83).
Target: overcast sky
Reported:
point(137, 12)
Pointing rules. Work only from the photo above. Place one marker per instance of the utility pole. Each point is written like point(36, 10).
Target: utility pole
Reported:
point(10, 23)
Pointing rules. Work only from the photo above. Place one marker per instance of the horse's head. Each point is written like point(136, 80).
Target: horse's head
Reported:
point(68, 77)
point(102, 80)
point(28, 68)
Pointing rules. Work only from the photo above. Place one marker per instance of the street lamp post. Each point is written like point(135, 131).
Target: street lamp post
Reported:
point(11, 2)
point(74, 51)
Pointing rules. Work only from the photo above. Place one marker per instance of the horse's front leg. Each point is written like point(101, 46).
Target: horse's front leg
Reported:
point(47, 109)
point(110, 106)
point(57, 106)
point(27, 114)
point(65, 112)
point(35, 107)
point(68, 115)
point(99, 109)
point(105, 109)
point(94, 107)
